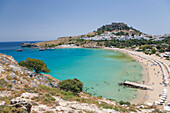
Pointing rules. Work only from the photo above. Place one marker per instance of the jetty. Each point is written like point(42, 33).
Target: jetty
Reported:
point(136, 85)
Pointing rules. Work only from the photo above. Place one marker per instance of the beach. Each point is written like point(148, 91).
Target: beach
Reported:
point(152, 76)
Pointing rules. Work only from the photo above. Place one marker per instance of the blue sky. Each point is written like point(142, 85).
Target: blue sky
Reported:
point(26, 20)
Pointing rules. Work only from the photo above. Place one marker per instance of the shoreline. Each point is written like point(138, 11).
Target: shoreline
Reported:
point(155, 73)
point(143, 93)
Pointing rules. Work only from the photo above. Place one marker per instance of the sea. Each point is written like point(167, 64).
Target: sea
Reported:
point(100, 70)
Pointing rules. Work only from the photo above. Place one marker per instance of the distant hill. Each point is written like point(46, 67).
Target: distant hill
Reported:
point(117, 27)
point(114, 27)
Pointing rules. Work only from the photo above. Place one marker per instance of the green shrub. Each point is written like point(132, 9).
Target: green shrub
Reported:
point(50, 80)
point(9, 109)
point(72, 85)
point(116, 108)
point(106, 106)
point(35, 64)
point(124, 103)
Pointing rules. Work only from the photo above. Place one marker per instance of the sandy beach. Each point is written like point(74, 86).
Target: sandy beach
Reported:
point(152, 76)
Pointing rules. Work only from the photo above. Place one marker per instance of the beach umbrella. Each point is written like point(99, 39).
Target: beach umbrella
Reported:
point(161, 101)
point(156, 102)
point(149, 104)
point(162, 98)
point(164, 92)
point(164, 95)
point(164, 89)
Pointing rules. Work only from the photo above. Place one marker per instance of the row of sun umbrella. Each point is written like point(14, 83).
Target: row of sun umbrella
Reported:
point(163, 98)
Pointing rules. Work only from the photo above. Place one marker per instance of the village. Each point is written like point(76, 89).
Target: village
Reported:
point(125, 36)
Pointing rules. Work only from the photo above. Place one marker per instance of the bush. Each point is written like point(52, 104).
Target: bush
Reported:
point(3, 84)
point(35, 64)
point(9, 109)
point(106, 106)
point(124, 103)
point(161, 50)
point(116, 108)
point(153, 50)
point(73, 85)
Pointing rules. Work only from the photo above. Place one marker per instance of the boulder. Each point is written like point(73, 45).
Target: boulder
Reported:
point(21, 103)
point(2, 103)
point(54, 84)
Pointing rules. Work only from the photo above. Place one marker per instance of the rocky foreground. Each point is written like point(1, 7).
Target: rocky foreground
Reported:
point(23, 90)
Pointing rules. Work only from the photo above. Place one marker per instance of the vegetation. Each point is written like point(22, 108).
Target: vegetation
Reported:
point(35, 64)
point(144, 45)
point(72, 85)
point(9, 109)
point(124, 103)
point(3, 84)
point(115, 26)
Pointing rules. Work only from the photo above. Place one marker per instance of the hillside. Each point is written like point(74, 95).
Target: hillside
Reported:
point(114, 27)
point(62, 40)
point(24, 91)
point(117, 27)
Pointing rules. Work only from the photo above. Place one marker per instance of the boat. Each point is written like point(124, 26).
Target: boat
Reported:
point(19, 50)
point(42, 49)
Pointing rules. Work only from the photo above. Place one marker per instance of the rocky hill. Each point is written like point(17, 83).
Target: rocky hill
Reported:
point(117, 27)
point(24, 91)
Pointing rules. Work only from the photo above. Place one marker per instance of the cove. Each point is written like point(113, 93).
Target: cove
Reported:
point(100, 70)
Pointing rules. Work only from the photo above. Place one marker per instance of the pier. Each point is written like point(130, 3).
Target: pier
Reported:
point(136, 85)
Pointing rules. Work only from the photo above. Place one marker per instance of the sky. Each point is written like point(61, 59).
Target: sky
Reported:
point(34, 20)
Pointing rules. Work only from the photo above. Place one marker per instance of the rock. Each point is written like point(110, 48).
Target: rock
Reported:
point(28, 45)
point(21, 103)
point(54, 84)
point(14, 82)
point(29, 95)
point(2, 103)
point(6, 80)
point(12, 75)
point(44, 78)
point(1, 69)
point(31, 73)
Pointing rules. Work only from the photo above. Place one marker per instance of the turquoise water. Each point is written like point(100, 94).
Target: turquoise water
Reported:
point(99, 70)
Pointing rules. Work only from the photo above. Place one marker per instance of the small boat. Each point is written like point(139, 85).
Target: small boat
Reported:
point(42, 49)
point(19, 50)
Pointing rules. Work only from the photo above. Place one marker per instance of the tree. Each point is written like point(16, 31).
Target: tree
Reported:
point(153, 50)
point(161, 50)
point(72, 85)
point(168, 49)
point(35, 64)
point(158, 47)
